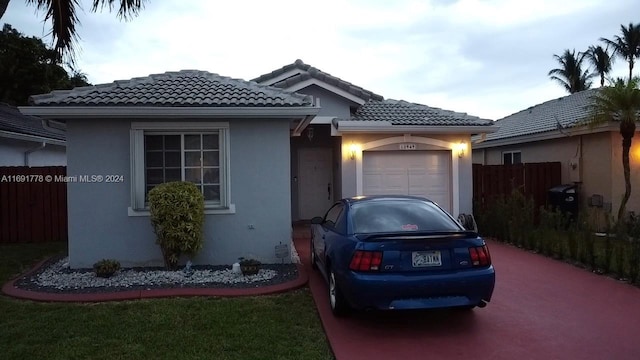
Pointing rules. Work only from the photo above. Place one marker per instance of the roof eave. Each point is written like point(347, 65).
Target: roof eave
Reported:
point(387, 127)
point(34, 138)
point(167, 112)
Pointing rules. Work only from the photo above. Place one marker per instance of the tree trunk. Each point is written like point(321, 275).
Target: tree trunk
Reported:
point(626, 145)
point(3, 7)
point(630, 69)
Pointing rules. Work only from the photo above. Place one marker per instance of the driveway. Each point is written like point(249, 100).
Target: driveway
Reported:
point(541, 309)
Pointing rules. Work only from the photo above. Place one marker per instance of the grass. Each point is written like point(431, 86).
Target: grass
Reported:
point(284, 326)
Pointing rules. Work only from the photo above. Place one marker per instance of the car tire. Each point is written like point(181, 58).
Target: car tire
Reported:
point(312, 256)
point(338, 304)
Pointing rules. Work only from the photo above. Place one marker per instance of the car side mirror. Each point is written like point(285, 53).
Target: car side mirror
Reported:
point(317, 220)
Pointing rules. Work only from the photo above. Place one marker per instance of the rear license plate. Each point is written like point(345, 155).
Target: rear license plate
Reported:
point(426, 258)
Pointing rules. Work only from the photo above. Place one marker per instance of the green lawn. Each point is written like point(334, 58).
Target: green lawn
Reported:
point(284, 326)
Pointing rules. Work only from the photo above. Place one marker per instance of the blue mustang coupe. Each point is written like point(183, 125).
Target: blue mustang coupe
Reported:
point(399, 252)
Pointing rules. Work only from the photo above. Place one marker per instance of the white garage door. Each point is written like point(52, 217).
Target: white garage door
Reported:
point(420, 173)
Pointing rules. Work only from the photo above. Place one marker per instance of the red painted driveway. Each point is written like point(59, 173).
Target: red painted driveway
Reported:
point(541, 309)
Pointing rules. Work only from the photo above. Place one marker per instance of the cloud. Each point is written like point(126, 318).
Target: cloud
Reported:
point(485, 57)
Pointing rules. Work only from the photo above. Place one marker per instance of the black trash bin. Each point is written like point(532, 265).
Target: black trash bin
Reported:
point(564, 198)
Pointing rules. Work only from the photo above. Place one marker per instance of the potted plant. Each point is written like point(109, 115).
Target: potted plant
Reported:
point(249, 266)
point(106, 267)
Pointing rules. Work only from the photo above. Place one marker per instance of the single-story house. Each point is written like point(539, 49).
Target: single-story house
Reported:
point(554, 131)
point(266, 152)
point(30, 141)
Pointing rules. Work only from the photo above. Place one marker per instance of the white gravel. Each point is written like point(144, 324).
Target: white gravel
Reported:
point(56, 276)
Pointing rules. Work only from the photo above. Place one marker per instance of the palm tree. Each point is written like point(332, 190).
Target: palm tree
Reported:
point(626, 46)
point(64, 19)
point(570, 74)
point(620, 102)
point(600, 60)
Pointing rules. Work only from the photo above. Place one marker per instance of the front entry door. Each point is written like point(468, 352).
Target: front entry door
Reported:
point(315, 185)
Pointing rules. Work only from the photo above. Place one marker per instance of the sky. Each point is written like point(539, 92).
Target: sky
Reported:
point(487, 58)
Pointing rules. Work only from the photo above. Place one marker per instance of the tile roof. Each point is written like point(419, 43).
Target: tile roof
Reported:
point(567, 111)
point(12, 120)
point(310, 72)
point(181, 88)
point(399, 112)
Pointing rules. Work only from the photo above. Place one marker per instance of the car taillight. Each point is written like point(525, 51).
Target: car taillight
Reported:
point(480, 256)
point(366, 260)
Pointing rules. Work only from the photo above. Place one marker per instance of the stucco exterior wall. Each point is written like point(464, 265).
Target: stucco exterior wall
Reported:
point(462, 169)
point(618, 187)
point(597, 169)
point(12, 153)
point(330, 103)
point(99, 225)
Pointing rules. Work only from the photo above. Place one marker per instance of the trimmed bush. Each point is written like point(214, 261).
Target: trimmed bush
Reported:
point(177, 216)
point(106, 267)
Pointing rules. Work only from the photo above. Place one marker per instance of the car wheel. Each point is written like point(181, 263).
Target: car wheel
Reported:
point(337, 302)
point(312, 256)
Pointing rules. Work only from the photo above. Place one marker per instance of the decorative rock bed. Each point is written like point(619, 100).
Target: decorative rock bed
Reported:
point(55, 276)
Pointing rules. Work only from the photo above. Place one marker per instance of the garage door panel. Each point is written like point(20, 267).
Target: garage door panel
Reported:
point(381, 181)
point(419, 173)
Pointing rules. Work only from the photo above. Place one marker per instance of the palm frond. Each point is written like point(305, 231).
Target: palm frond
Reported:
point(562, 82)
point(127, 10)
point(570, 73)
point(64, 20)
point(62, 14)
point(618, 102)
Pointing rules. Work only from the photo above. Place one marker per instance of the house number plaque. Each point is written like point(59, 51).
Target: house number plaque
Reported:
point(408, 147)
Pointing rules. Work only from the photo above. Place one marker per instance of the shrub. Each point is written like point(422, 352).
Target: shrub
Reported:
point(634, 261)
point(177, 216)
point(508, 219)
point(249, 266)
point(619, 259)
point(106, 267)
point(520, 218)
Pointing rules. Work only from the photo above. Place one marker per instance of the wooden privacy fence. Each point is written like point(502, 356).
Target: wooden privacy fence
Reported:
point(532, 179)
point(33, 204)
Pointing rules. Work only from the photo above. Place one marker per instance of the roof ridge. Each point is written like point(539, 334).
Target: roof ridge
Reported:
point(207, 89)
point(316, 73)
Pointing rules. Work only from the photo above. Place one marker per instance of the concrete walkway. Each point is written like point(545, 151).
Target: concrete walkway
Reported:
point(541, 309)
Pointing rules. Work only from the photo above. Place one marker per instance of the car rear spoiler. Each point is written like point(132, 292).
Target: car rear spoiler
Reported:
point(416, 235)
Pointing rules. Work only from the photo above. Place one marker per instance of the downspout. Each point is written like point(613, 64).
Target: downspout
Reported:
point(28, 152)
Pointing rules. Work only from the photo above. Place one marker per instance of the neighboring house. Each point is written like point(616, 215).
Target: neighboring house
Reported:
point(555, 131)
point(251, 149)
point(30, 141)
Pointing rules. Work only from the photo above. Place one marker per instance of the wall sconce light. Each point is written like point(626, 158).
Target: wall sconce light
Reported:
point(353, 151)
point(462, 147)
point(310, 133)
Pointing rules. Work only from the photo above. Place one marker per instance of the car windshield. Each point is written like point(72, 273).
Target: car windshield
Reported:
point(391, 216)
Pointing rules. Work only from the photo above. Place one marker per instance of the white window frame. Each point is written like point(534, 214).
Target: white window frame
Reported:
point(511, 154)
point(138, 184)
